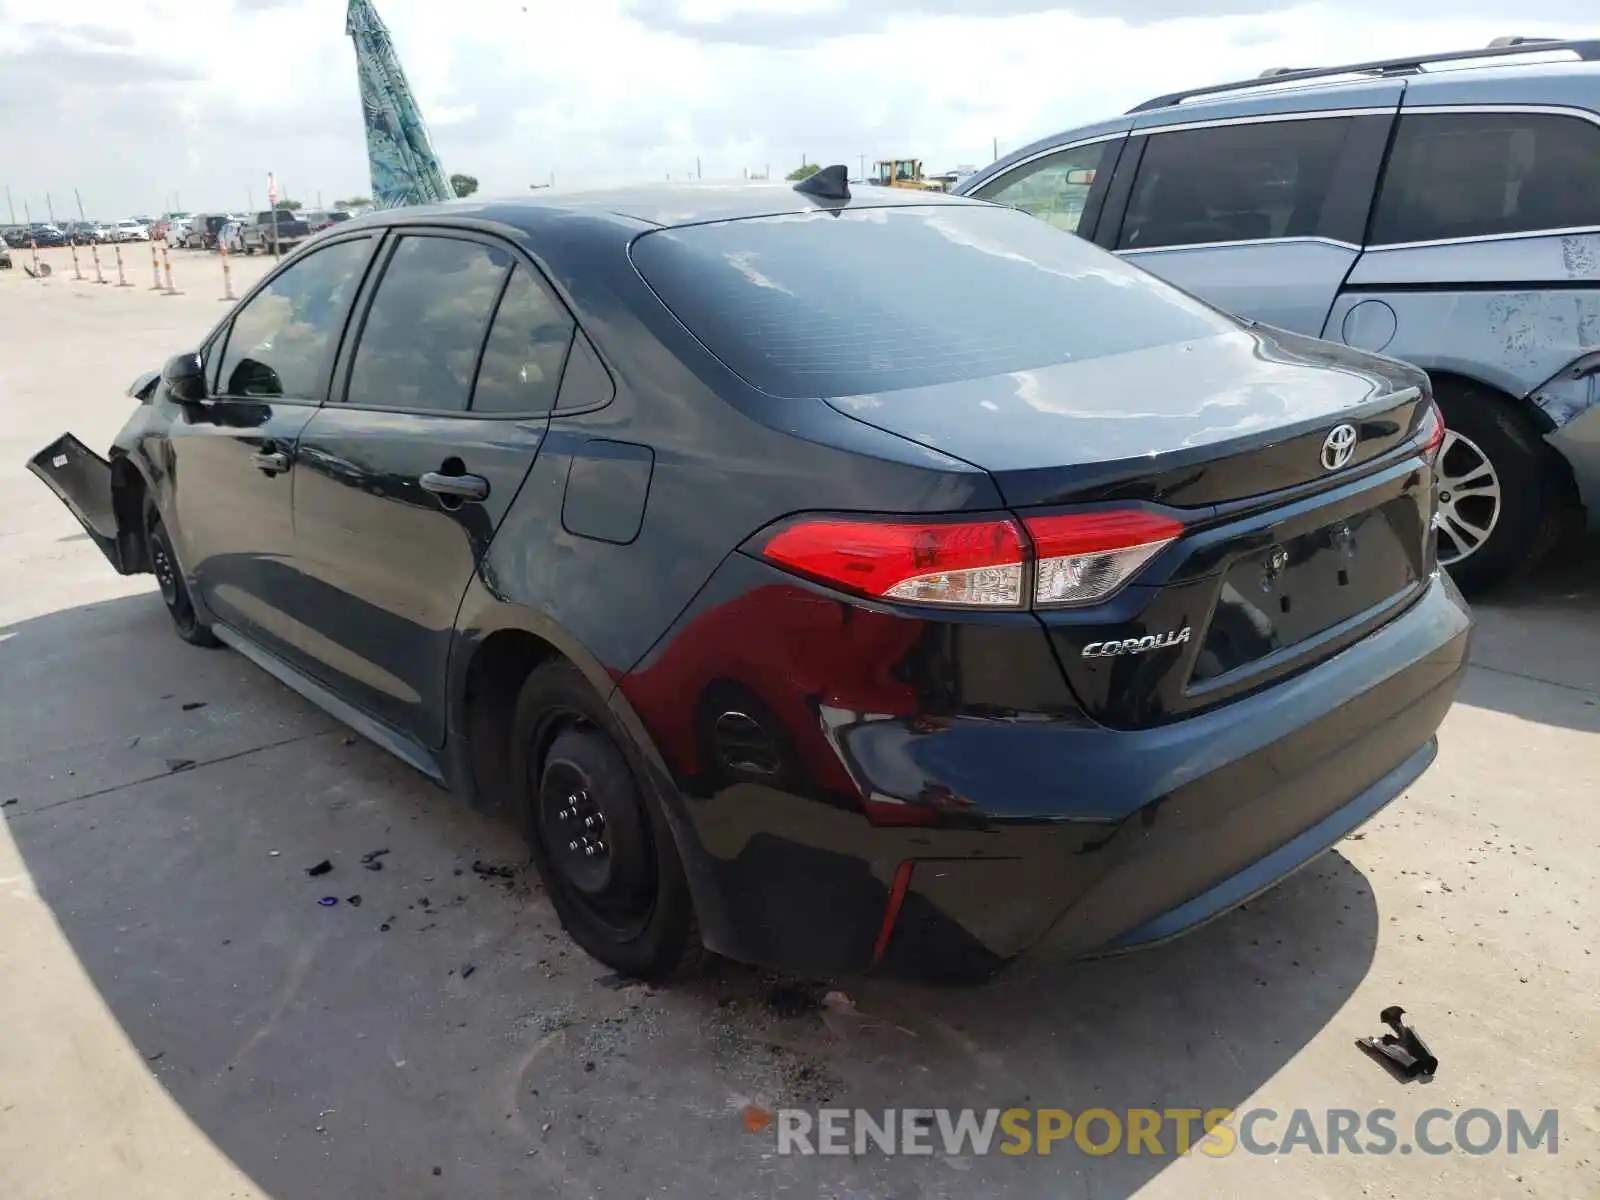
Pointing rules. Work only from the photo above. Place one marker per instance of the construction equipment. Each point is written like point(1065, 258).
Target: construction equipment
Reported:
point(903, 173)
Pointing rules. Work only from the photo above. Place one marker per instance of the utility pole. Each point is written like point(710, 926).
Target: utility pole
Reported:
point(863, 166)
point(697, 166)
point(10, 208)
point(995, 148)
point(26, 215)
point(50, 208)
point(319, 198)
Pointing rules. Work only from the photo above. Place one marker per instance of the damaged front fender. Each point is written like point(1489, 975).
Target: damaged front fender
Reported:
point(1571, 391)
point(87, 485)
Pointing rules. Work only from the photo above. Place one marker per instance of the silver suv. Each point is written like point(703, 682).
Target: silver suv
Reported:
point(1444, 210)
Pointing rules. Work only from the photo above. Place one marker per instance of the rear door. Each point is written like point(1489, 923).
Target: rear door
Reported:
point(1262, 216)
point(232, 458)
point(444, 394)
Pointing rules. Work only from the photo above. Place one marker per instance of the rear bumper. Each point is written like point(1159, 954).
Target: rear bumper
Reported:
point(1059, 834)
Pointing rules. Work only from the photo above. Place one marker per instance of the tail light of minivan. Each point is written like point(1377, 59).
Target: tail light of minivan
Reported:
point(1431, 431)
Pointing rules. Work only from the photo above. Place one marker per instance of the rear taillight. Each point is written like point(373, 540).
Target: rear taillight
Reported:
point(971, 564)
point(1431, 431)
point(1061, 560)
point(1085, 557)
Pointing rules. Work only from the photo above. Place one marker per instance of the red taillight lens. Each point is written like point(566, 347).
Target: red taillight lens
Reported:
point(1431, 431)
point(1085, 557)
point(971, 564)
point(1081, 558)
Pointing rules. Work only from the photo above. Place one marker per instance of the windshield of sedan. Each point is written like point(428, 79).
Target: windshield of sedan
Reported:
point(876, 299)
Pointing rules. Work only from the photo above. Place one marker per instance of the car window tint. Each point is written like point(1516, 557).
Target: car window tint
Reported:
point(526, 350)
point(1054, 188)
point(1472, 174)
point(852, 301)
point(1233, 183)
point(420, 341)
point(280, 339)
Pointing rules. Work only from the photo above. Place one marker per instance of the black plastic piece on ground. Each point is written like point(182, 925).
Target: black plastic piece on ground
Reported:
point(322, 868)
point(1403, 1052)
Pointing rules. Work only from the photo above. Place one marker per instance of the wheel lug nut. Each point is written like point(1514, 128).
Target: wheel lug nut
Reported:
point(573, 845)
point(594, 821)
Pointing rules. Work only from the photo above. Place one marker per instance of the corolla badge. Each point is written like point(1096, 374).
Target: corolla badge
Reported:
point(1138, 645)
point(1339, 447)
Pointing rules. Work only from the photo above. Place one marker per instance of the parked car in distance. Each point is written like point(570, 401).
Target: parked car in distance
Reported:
point(177, 233)
point(1443, 209)
point(319, 219)
point(203, 230)
point(5, 255)
point(44, 234)
point(273, 231)
point(902, 633)
point(130, 231)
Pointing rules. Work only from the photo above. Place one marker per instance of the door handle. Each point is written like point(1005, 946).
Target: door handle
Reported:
point(456, 487)
point(270, 461)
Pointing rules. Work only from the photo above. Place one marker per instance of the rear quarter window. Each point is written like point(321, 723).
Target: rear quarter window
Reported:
point(879, 299)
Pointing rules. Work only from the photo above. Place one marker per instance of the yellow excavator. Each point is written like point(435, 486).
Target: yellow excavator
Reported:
point(903, 173)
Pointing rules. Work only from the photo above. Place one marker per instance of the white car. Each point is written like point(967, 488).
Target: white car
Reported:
point(130, 231)
point(178, 231)
point(232, 236)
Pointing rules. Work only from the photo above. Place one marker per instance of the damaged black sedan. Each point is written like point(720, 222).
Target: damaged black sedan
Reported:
point(839, 583)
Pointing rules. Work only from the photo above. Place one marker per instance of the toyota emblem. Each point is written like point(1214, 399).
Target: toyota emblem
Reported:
point(1339, 447)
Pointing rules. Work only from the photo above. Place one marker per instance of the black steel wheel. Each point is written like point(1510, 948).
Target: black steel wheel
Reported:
point(169, 578)
point(599, 839)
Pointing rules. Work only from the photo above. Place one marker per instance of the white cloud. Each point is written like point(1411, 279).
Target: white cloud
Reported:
point(135, 101)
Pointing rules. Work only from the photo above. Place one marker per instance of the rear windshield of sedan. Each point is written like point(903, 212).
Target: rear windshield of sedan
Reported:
point(877, 299)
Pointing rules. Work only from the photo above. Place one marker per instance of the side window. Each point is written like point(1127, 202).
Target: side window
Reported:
point(280, 339)
point(420, 340)
point(1233, 183)
point(1054, 188)
point(526, 350)
point(1471, 174)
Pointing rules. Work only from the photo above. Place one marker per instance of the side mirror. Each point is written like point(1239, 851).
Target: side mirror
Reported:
point(185, 377)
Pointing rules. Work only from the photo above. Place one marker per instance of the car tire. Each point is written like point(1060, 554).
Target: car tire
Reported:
point(1501, 499)
point(169, 578)
point(628, 904)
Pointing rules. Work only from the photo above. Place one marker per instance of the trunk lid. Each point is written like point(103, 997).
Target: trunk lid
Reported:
point(1189, 424)
point(1284, 559)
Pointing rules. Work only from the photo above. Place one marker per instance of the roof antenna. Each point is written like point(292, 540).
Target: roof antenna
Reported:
point(829, 183)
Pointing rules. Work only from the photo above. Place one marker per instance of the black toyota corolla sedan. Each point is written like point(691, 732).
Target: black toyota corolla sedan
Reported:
point(836, 582)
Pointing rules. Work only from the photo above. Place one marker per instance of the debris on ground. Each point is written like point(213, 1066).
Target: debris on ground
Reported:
point(485, 870)
point(156, 1057)
point(10, 802)
point(328, 901)
point(194, 704)
point(789, 999)
point(467, 970)
point(616, 981)
point(371, 860)
point(322, 868)
point(838, 1002)
point(353, 901)
point(174, 765)
point(1403, 1051)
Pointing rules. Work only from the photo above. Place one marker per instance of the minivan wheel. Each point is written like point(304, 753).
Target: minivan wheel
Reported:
point(599, 840)
point(169, 578)
point(1500, 496)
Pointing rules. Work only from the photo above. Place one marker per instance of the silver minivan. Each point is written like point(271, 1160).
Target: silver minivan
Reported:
point(1444, 210)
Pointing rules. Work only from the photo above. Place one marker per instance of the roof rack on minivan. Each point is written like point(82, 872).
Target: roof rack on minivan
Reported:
point(1587, 50)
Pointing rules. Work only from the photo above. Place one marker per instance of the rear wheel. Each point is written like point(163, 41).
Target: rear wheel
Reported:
point(600, 840)
point(1500, 492)
point(169, 578)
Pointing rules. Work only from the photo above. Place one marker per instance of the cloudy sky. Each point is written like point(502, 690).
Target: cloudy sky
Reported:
point(134, 101)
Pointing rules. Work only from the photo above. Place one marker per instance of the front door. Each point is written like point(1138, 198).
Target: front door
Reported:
point(1264, 219)
point(403, 482)
point(232, 457)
